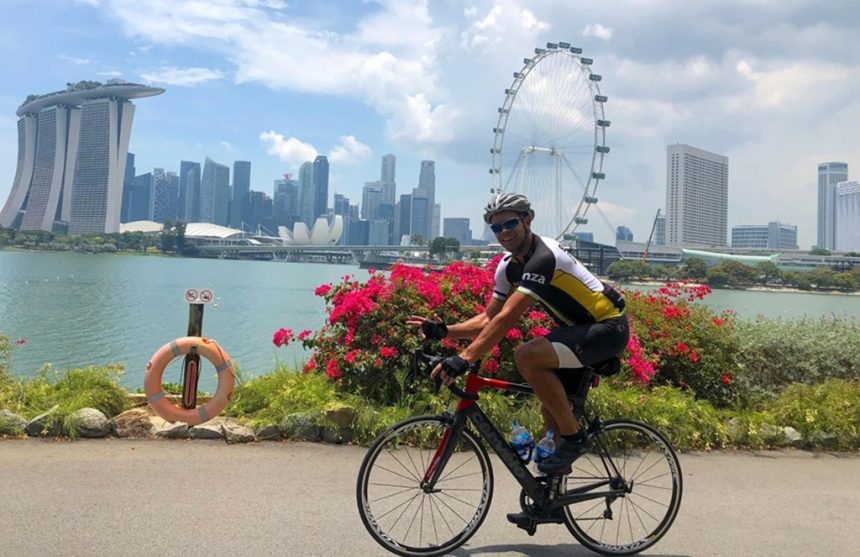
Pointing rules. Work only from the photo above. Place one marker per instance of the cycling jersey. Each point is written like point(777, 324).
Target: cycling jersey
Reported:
point(569, 292)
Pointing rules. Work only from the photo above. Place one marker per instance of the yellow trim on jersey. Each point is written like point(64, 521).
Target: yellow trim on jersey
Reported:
point(595, 303)
point(549, 306)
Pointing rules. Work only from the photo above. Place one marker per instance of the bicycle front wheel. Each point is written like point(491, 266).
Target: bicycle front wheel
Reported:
point(399, 512)
point(643, 471)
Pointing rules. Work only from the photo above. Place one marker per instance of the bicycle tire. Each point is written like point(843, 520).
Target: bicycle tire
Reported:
point(395, 465)
point(649, 468)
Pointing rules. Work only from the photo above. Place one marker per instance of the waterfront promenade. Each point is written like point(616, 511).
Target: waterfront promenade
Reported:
point(155, 498)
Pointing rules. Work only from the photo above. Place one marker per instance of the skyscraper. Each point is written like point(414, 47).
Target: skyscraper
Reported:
point(387, 179)
point(773, 235)
point(427, 183)
point(660, 230)
point(372, 196)
point(624, 234)
point(848, 216)
point(189, 191)
point(320, 187)
point(127, 187)
point(306, 194)
point(239, 208)
point(697, 197)
point(72, 148)
point(458, 227)
point(829, 174)
point(215, 193)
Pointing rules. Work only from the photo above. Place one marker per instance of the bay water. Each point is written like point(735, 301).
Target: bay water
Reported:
point(78, 309)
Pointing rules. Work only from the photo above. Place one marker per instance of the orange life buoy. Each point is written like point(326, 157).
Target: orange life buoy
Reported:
point(210, 350)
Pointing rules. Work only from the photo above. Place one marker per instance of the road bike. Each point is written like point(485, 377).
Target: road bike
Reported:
point(426, 484)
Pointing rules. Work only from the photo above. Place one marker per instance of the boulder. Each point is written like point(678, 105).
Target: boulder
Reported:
point(336, 435)
point(167, 430)
point(11, 423)
point(822, 440)
point(340, 417)
point(136, 422)
point(88, 422)
point(45, 425)
point(794, 438)
point(269, 433)
point(205, 431)
point(235, 433)
point(771, 434)
point(301, 427)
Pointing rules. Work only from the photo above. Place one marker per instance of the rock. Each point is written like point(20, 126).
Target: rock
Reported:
point(235, 433)
point(794, 438)
point(88, 422)
point(167, 430)
point(205, 431)
point(336, 435)
point(735, 430)
point(11, 423)
point(822, 440)
point(269, 433)
point(136, 422)
point(771, 434)
point(301, 427)
point(45, 425)
point(341, 417)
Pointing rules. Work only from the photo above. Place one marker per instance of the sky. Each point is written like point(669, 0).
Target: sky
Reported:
point(772, 85)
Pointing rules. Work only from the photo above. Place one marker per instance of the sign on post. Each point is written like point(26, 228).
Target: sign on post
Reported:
point(201, 296)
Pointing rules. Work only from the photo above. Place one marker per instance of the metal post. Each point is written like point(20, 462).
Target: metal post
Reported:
point(191, 363)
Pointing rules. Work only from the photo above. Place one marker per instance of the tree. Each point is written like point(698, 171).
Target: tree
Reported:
point(819, 251)
point(695, 268)
point(444, 246)
point(417, 240)
point(768, 272)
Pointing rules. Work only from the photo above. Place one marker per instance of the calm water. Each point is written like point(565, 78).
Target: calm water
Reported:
point(76, 309)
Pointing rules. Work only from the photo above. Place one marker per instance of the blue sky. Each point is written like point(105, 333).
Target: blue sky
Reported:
point(771, 84)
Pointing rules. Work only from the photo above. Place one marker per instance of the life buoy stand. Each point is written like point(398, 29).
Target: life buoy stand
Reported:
point(210, 350)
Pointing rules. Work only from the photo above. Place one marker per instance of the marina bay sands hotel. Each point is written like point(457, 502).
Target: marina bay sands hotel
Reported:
point(72, 148)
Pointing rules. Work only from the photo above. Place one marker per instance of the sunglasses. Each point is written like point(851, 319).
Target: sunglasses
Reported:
point(509, 224)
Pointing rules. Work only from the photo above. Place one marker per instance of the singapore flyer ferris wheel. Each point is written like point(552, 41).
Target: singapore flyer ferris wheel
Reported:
point(550, 138)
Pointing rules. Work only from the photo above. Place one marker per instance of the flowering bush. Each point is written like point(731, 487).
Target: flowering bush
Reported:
point(676, 342)
point(366, 346)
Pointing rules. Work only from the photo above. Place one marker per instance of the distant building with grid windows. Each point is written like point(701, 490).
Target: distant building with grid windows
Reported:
point(848, 216)
point(773, 235)
point(697, 197)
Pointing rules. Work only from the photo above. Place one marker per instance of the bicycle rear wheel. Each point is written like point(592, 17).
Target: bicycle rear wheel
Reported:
point(636, 458)
point(399, 513)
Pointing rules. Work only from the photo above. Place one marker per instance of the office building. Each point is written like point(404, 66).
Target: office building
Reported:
point(697, 197)
point(402, 218)
point(215, 193)
point(140, 200)
point(127, 187)
point(240, 205)
point(421, 214)
point(320, 179)
point(660, 230)
point(306, 193)
point(427, 184)
point(623, 234)
point(72, 148)
point(372, 196)
point(584, 236)
point(848, 216)
point(829, 174)
point(458, 228)
point(189, 191)
point(774, 235)
point(387, 179)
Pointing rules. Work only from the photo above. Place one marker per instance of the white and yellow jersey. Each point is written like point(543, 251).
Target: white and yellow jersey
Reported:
point(567, 290)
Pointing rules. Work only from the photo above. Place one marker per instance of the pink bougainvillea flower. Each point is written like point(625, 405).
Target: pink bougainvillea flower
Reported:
point(538, 331)
point(694, 357)
point(387, 352)
point(304, 334)
point(717, 321)
point(310, 365)
point(514, 334)
point(332, 370)
point(492, 366)
point(282, 337)
point(726, 379)
point(21, 341)
point(322, 289)
point(682, 348)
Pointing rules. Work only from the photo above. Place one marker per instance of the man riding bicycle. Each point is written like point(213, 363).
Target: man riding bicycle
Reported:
point(592, 327)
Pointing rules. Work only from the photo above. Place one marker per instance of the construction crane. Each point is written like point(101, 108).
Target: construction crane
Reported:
point(650, 237)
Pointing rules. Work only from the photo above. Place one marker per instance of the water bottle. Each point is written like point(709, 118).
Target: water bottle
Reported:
point(545, 449)
point(522, 441)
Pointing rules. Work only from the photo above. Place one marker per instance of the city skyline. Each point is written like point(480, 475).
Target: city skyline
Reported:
point(773, 90)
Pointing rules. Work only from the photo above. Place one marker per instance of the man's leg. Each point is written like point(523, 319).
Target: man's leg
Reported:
point(537, 361)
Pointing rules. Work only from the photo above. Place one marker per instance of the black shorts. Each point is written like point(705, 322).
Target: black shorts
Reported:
point(591, 343)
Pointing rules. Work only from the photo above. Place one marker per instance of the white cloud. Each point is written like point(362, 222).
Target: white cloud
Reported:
point(349, 151)
point(74, 60)
point(292, 150)
point(110, 73)
point(226, 145)
point(182, 77)
point(598, 31)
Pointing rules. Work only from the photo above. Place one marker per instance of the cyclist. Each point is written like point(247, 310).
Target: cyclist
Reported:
point(592, 327)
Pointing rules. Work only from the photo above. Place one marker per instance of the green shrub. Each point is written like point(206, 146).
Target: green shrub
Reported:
point(827, 414)
point(776, 353)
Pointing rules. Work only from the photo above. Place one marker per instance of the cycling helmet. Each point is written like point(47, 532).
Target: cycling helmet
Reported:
point(500, 202)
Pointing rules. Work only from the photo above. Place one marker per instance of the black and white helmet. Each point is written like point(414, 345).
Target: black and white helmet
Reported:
point(501, 202)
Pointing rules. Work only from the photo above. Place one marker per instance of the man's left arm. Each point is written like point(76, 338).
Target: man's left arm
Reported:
point(516, 304)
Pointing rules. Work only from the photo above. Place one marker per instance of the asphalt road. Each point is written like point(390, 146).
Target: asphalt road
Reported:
point(187, 498)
